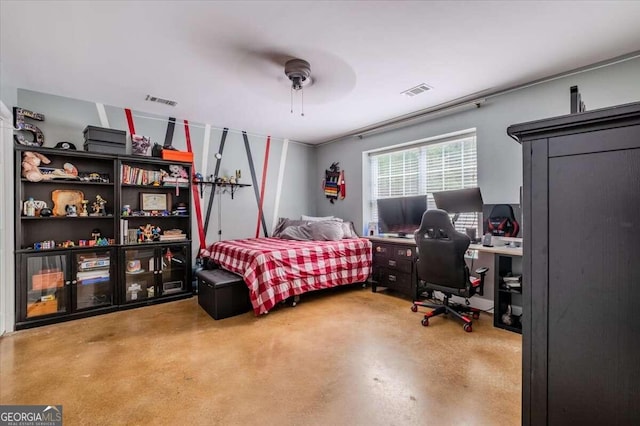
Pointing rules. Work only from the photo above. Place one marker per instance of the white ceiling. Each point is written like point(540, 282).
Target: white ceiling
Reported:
point(223, 61)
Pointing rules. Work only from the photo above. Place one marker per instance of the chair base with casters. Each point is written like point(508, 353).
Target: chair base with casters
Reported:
point(456, 309)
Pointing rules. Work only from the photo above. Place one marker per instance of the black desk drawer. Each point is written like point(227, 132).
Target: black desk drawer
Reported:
point(404, 252)
point(394, 279)
point(402, 265)
point(382, 252)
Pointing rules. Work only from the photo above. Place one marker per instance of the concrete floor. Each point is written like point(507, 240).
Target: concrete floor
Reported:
point(346, 356)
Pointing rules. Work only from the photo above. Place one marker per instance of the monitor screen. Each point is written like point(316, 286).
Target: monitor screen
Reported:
point(402, 215)
point(459, 201)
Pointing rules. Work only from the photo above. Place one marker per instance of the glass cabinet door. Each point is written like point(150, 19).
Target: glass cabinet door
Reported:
point(46, 285)
point(93, 279)
point(139, 270)
point(174, 268)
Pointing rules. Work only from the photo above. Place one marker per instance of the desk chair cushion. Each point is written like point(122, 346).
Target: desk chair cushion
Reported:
point(441, 250)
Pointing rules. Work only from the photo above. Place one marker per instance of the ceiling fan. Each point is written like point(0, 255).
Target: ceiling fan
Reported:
point(299, 72)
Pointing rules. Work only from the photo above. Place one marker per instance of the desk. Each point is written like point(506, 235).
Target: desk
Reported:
point(507, 251)
point(394, 267)
point(501, 261)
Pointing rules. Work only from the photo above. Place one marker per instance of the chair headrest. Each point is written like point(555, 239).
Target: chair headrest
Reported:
point(436, 224)
point(502, 210)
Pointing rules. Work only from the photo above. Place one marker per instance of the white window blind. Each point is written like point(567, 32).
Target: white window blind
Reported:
point(422, 169)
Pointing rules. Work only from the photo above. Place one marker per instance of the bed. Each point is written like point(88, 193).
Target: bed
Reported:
point(276, 269)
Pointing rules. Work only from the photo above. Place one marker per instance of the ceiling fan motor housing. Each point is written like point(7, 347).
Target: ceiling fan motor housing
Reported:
point(298, 71)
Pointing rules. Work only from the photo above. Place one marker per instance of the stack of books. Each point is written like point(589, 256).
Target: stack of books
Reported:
point(93, 277)
point(175, 181)
point(173, 235)
point(136, 176)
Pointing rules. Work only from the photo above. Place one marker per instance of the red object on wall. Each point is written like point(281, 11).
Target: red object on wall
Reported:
point(194, 188)
point(132, 129)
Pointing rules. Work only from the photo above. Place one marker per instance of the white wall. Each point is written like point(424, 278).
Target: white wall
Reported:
point(7, 264)
point(65, 118)
point(499, 156)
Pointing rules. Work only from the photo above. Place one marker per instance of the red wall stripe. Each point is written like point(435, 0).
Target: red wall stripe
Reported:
point(132, 129)
point(194, 187)
point(264, 181)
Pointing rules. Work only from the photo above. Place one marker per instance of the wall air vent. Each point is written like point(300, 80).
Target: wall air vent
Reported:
point(160, 100)
point(421, 88)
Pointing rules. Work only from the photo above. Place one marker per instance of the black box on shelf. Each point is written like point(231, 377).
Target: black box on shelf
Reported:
point(103, 134)
point(222, 294)
point(105, 141)
point(104, 147)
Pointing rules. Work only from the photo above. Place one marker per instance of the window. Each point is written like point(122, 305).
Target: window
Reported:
point(424, 168)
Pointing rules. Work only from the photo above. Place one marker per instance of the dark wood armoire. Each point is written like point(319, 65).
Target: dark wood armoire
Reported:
point(581, 322)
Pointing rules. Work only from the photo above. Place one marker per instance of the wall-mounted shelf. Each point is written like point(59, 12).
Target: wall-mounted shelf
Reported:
point(224, 186)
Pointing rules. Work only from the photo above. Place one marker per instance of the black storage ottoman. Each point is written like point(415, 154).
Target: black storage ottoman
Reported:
point(222, 293)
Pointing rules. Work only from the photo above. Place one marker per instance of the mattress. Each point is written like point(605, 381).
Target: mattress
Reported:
point(275, 269)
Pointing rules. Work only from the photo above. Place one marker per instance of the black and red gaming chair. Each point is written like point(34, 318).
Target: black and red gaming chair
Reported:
point(502, 222)
point(441, 267)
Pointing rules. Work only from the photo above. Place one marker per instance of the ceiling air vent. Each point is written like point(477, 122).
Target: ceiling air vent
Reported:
point(160, 100)
point(421, 88)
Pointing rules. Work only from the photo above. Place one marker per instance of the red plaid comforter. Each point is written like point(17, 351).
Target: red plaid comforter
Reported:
point(275, 269)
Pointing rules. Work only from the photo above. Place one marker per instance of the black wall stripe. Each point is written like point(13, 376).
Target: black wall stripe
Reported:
point(168, 138)
point(215, 174)
point(254, 180)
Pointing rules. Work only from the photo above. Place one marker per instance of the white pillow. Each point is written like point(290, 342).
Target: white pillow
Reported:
point(316, 218)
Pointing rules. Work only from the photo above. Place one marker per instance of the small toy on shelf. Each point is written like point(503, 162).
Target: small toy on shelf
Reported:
point(85, 208)
point(71, 210)
point(44, 245)
point(98, 206)
point(148, 233)
point(29, 207)
point(32, 171)
point(102, 242)
point(177, 171)
point(30, 162)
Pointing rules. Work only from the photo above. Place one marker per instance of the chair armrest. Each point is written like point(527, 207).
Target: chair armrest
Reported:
point(482, 272)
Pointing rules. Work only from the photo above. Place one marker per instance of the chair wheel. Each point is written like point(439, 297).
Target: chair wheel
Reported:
point(476, 315)
point(425, 322)
point(467, 327)
point(414, 308)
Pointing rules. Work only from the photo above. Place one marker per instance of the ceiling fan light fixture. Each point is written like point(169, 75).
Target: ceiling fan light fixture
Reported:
point(298, 71)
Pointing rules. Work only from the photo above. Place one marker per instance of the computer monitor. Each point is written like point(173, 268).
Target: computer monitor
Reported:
point(401, 215)
point(468, 200)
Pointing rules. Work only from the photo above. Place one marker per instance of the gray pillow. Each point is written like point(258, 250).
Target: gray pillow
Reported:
point(316, 218)
point(296, 232)
point(349, 230)
point(327, 230)
point(284, 223)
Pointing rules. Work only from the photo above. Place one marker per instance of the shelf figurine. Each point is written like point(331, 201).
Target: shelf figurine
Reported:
point(71, 210)
point(85, 208)
point(98, 206)
point(30, 207)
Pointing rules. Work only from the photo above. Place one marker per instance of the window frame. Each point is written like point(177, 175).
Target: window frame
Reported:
point(371, 188)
